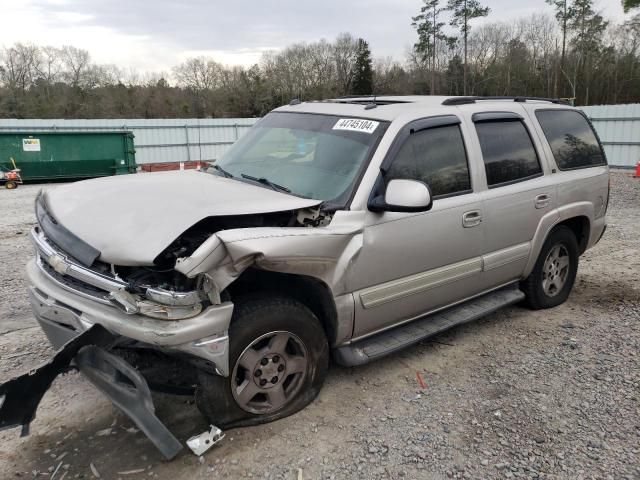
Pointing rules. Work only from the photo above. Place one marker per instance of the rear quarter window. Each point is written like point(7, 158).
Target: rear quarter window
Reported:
point(571, 138)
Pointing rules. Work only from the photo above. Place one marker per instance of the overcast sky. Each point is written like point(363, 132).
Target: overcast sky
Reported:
point(154, 35)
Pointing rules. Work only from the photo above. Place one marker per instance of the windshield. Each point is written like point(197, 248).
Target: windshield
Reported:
point(313, 156)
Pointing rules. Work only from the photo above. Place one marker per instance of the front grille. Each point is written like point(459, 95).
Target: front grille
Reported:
point(70, 275)
point(74, 284)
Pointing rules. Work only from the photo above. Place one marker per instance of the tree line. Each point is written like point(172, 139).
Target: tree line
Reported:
point(578, 54)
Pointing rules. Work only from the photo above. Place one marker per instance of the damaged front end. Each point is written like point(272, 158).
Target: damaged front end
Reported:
point(103, 317)
point(147, 314)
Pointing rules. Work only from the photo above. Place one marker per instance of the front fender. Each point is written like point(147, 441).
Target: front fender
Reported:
point(325, 253)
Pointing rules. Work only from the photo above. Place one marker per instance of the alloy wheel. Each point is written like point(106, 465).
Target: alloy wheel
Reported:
point(269, 372)
point(555, 270)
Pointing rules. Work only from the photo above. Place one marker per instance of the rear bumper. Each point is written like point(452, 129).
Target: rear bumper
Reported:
point(598, 227)
point(64, 314)
point(604, 229)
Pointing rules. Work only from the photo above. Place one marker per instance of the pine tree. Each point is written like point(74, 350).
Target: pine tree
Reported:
point(429, 34)
point(563, 15)
point(363, 77)
point(588, 28)
point(463, 12)
point(630, 4)
point(454, 76)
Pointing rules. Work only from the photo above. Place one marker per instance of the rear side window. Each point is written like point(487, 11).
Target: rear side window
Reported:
point(435, 156)
point(508, 153)
point(572, 141)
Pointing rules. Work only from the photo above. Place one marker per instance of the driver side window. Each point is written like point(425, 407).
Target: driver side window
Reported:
point(437, 157)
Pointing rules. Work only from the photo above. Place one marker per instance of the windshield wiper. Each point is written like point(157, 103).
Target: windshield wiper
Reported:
point(267, 182)
point(222, 171)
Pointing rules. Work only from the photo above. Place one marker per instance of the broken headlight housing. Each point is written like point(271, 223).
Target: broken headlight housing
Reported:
point(159, 303)
point(165, 295)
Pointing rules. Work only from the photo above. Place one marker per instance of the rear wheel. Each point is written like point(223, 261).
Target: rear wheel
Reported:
point(279, 357)
point(11, 185)
point(554, 273)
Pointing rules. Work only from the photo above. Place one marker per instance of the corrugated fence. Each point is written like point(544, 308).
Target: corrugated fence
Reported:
point(156, 141)
point(619, 129)
point(184, 140)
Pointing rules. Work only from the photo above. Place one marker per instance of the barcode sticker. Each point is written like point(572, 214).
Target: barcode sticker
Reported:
point(356, 125)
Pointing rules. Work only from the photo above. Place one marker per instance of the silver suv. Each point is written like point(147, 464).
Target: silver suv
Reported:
point(354, 226)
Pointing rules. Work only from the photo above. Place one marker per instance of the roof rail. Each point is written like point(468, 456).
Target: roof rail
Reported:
point(346, 97)
point(366, 100)
point(467, 100)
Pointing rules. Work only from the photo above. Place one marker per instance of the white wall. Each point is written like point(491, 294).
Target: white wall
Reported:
point(618, 127)
point(156, 140)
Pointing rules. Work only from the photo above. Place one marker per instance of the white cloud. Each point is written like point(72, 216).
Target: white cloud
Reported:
point(154, 35)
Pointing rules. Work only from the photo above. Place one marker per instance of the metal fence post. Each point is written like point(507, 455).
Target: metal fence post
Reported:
point(186, 134)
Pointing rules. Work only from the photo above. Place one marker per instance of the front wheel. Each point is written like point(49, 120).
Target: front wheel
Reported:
point(554, 273)
point(11, 185)
point(279, 357)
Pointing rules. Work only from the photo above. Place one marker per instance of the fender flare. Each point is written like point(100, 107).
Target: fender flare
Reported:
point(549, 221)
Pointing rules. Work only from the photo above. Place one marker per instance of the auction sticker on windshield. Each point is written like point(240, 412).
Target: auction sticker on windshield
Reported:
point(356, 125)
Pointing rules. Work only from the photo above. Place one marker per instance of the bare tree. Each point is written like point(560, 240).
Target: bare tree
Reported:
point(345, 52)
point(199, 74)
point(19, 67)
point(76, 62)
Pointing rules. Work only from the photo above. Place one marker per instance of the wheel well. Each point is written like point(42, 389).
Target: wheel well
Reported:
point(580, 226)
point(309, 291)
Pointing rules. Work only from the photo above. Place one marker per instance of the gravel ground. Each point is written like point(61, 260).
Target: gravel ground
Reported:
point(550, 394)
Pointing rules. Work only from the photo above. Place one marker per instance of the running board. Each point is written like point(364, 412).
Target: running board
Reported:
point(389, 341)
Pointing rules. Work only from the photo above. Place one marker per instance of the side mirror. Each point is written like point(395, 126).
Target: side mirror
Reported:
point(403, 196)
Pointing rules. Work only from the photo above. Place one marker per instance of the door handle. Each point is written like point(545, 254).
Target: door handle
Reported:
point(471, 219)
point(543, 200)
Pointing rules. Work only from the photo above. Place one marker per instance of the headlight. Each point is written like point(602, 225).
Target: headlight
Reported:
point(153, 307)
point(173, 298)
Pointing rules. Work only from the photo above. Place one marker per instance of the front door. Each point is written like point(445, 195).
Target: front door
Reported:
point(412, 263)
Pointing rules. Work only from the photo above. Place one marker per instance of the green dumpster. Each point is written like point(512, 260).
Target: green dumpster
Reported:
point(68, 155)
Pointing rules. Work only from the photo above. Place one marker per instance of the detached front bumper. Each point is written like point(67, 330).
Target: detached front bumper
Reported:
point(64, 314)
point(119, 381)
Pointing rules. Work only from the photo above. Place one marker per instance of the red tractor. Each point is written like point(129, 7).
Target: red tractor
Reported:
point(10, 178)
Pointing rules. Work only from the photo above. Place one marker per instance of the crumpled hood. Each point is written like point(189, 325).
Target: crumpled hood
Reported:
point(133, 218)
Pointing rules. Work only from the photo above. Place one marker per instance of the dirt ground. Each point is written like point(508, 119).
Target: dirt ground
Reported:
point(550, 394)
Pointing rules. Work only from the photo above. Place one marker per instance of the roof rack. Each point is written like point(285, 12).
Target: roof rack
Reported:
point(467, 100)
point(366, 100)
point(347, 97)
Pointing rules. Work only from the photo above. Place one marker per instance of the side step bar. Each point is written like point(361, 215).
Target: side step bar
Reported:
point(389, 341)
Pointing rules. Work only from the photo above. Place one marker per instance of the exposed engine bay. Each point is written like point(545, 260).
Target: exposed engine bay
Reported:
point(150, 289)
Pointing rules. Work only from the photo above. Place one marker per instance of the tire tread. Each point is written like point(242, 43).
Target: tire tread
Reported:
point(535, 297)
point(213, 395)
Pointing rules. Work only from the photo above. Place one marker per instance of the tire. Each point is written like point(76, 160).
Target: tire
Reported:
point(553, 276)
point(11, 185)
point(258, 330)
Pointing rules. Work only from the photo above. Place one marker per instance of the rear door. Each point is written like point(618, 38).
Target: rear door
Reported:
point(519, 192)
